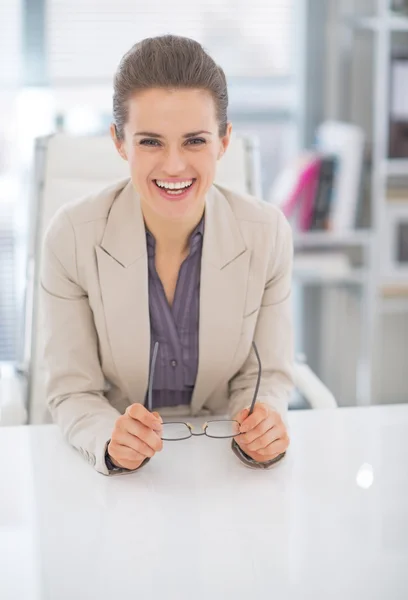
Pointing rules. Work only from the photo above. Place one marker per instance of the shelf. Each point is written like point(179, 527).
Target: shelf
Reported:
point(393, 297)
point(394, 305)
point(355, 276)
point(397, 167)
point(394, 22)
point(328, 239)
point(394, 287)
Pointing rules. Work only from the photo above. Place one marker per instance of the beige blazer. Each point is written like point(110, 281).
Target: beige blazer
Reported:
point(94, 299)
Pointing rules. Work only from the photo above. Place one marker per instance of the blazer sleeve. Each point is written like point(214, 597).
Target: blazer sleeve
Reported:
point(75, 382)
point(273, 336)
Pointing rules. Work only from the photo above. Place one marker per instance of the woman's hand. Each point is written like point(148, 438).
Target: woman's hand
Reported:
point(135, 437)
point(263, 433)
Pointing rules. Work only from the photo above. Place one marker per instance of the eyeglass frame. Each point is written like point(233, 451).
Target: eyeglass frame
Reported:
point(205, 425)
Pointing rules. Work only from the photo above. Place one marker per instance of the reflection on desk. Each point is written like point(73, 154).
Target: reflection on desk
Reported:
point(330, 521)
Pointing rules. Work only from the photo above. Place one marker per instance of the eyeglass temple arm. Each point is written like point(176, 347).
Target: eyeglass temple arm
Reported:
point(258, 381)
point(151, 377)
point(153, 367)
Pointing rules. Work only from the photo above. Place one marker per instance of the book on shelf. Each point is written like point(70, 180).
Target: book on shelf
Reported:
point(321, 189)
point(400, 7)
point(294, 190)
point(397, 194)
point(324, 194)
point(398, 117)
point(345, 141)
point(394, 290)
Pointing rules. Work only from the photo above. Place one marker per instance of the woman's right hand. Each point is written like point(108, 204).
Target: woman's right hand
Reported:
point(135, 437)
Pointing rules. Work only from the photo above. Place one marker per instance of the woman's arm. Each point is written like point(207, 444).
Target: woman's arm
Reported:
point(273, 335)
point(74, 379)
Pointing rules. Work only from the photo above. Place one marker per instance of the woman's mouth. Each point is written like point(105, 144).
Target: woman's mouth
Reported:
point(174, 190)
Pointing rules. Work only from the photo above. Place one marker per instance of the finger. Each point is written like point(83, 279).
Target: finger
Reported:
point(126, 457)
point(140, 413)
point(242, 415)
point(275, 448)
point(264, 440)
point(147, 435)
point(254, 434)
point(156, 414)
point(260, 413)
point(137, 444)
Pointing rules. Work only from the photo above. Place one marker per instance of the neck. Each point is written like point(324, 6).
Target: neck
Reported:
point(172, 237)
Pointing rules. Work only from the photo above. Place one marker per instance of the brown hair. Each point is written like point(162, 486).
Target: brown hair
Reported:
point(170, 62)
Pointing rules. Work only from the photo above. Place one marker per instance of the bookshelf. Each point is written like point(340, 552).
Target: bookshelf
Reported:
point(368, 281)
point(353, 277)
point(383, 27)
point(324, 238)
point(394, 298)
point(397, 167)
point(390, 21)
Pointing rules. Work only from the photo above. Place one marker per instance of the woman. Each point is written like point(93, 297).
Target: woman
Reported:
point(167, 256)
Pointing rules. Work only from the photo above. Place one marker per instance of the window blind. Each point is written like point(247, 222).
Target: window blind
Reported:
point(8, 311)
point(10, 77)
point(86, 38)
point(10, 43)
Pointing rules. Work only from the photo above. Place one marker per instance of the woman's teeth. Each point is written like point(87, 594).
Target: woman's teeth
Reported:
point(174, 189)
point(174, 192)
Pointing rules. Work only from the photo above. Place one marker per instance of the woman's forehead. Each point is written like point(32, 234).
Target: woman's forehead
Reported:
point(155, 108)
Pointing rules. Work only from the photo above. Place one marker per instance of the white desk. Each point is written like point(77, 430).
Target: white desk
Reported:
point(196, 524)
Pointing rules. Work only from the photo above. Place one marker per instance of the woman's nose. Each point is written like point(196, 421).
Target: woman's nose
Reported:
point(174, 163)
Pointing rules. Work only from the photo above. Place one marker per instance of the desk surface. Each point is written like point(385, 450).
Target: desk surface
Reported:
point(330, 521)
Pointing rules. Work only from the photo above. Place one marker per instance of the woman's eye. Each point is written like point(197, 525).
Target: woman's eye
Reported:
point(154, 143)
point(196, 141)
point(149, 142)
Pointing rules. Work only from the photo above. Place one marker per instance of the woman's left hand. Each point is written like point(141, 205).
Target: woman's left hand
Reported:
point(263, 433)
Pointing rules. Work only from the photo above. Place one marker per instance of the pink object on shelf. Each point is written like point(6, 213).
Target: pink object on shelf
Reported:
point(303, 193)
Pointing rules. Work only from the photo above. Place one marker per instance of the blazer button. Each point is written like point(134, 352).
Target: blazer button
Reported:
point(173, 363)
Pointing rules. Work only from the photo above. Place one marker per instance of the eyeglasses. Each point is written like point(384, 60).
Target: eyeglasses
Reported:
point(220, 429)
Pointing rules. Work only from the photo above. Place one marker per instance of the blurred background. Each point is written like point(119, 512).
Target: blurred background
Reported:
point(320, 87)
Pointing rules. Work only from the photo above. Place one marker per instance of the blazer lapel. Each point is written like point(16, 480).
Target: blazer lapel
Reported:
point(123, 275)
point(224, 276)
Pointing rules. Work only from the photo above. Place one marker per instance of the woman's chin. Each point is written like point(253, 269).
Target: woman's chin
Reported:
point(175, 212)
point(175, 207)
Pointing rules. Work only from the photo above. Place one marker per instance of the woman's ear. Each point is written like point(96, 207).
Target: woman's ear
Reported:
point(120, 146)
point(225, 140)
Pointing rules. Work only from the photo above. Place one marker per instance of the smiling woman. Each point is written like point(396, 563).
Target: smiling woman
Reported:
point(170, 112)
point(167, 259)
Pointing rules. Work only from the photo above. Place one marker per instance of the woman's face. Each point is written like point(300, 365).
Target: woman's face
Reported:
point(172, 144)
